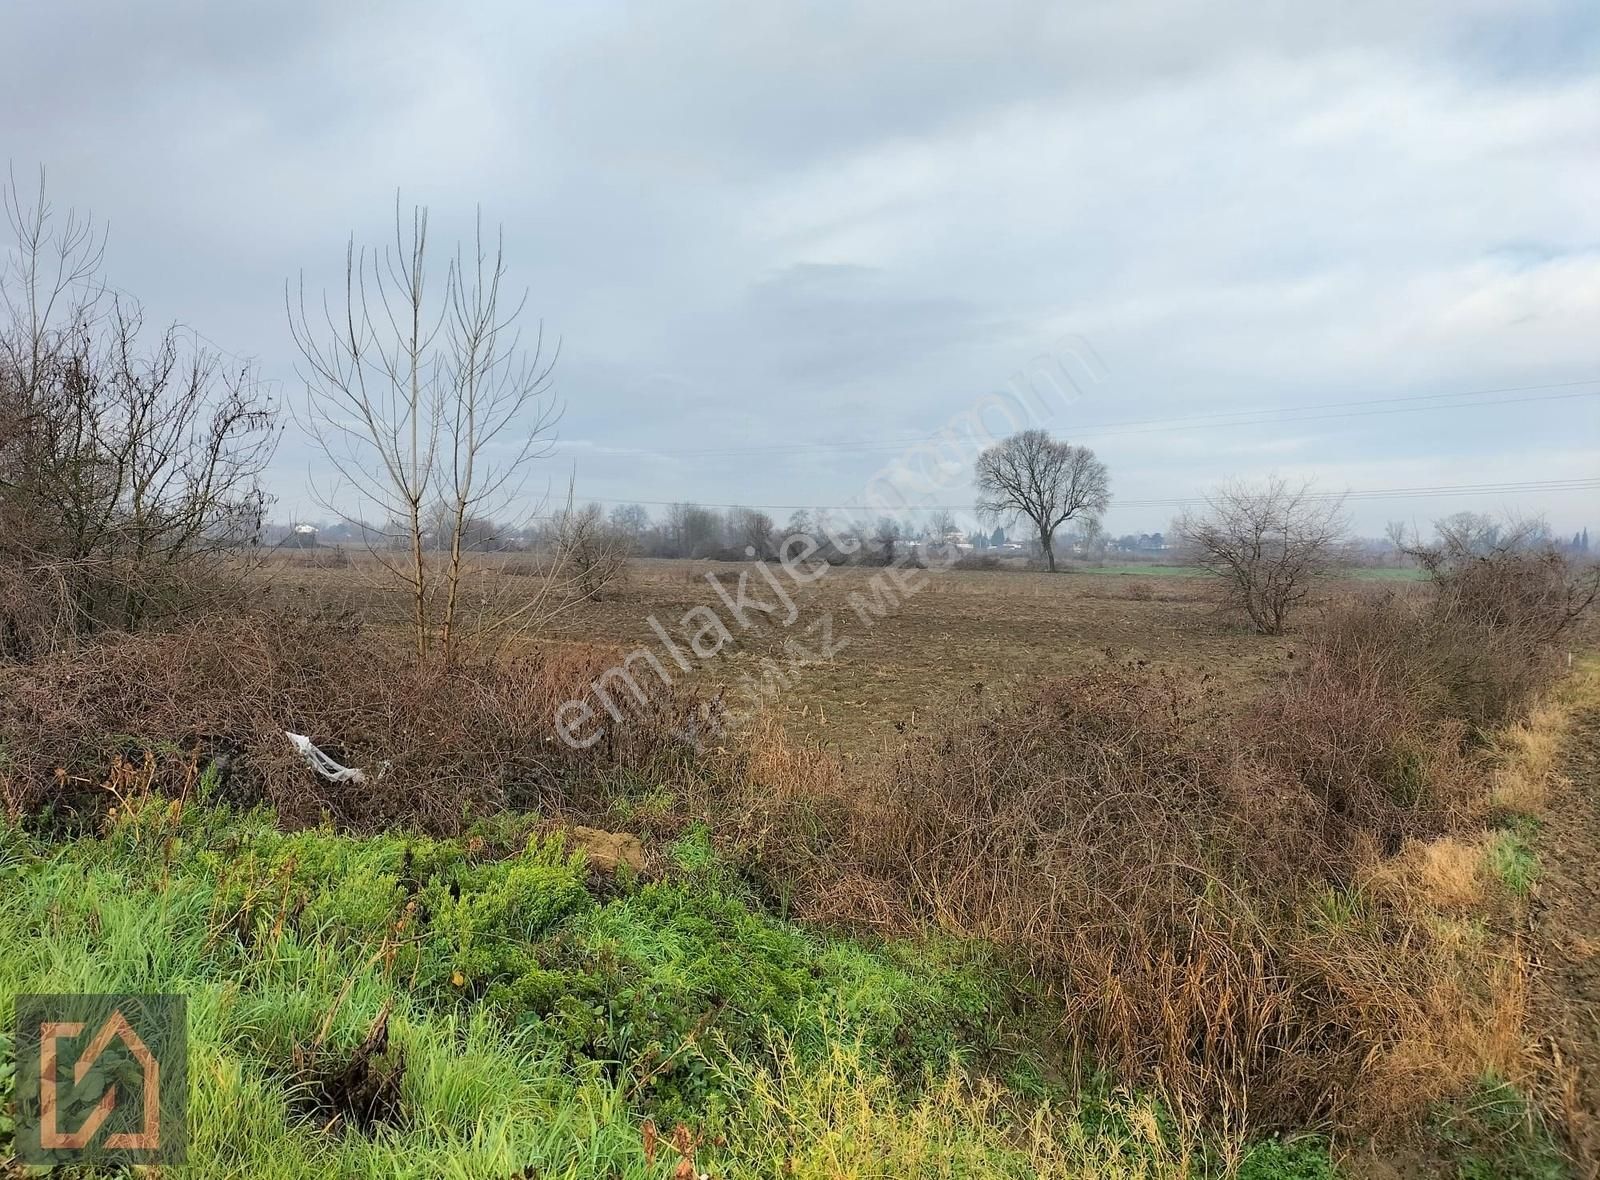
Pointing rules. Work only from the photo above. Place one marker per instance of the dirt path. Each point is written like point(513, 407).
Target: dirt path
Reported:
point(1566, 931)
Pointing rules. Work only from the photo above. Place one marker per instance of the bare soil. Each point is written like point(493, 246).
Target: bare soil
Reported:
point(946, 633)
point(1566, 929)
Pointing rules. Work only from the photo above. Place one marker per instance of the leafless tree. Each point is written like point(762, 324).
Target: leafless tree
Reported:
point(941, 524)
point(886, 536)
point(1032, 475)
point(753, 531)
point(592, 553)
point(1090, 537)
point(631, 521)
point(128, 468)
point(692, 531)
point(1267, 543)
point(420, 399)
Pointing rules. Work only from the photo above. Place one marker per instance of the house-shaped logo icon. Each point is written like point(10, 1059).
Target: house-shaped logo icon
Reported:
point(101, 1079)
point(115, 1028)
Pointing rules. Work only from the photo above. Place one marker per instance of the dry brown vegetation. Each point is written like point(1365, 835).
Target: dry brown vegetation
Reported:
point(1003, 629)
point(438, 745)
point(1249, 910)
point(1256, 892)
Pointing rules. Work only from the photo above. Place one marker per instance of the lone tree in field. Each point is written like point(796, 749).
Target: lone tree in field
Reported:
point(1267, 543)
point(1032, 475)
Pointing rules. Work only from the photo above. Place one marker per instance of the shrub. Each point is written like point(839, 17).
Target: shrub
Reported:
point(214, 698)
point(977, 561)
point(1192, 884)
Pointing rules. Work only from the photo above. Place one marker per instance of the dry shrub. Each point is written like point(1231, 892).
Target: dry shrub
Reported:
point(438, 744)
point(35, 611)
point(1362, 727)
point(1248, 913)
point(976, 561)
point(1106, 831)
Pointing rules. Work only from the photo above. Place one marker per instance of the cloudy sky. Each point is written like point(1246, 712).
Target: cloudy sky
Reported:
point(1357, 241)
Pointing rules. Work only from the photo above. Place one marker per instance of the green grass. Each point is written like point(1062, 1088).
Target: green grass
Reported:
point(1512, 858)
point(538, 1022)
point(1493, 1134)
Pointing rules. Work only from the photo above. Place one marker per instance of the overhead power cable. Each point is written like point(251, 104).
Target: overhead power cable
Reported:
point(1429, 491)
point(1261, 415)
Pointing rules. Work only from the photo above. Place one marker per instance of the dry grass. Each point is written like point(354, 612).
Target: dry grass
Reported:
point(1270, 915)
point(1450, 874)
point(438, 744)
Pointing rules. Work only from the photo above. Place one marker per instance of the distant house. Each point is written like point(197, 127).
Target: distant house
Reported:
point(302, 536)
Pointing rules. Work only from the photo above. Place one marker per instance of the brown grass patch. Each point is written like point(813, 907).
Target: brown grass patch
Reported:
point(437, 744)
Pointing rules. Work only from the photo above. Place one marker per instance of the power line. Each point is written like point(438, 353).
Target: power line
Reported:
point(1263, 415)
point(1434, 490)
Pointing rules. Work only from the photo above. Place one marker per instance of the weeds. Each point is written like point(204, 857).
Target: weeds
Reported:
point(335, 1028)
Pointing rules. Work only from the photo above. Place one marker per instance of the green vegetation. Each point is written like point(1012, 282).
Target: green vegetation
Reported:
point(1512, 858)
point(1493, 1134)
point(535, 1021)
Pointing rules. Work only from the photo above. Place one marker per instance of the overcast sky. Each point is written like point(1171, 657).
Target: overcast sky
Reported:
point(761, 227)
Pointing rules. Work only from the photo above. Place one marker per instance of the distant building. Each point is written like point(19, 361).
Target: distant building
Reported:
point(302, 536)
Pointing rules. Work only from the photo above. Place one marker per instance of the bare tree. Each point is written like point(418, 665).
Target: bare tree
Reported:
point(753, 530)
point(419, 400)
point(941, 524)
point(886, 536)
point(1032, 475)
point(631, 521)
point(1267, 543)
point(692, 531)
point(591, 552)
point(128, 470)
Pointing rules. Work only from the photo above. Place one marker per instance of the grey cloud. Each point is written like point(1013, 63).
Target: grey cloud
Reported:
point(757, 224)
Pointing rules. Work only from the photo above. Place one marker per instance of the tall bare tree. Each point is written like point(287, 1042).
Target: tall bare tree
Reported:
point(1032, 475)
point(422, 400)
point(1267, 543)
point(753, 530)
point(129, 466)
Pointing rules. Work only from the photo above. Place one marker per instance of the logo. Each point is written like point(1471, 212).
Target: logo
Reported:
point(101, 1079)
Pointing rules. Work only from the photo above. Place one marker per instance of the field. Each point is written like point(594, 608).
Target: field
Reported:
point(1004, 874)
point(949, 633)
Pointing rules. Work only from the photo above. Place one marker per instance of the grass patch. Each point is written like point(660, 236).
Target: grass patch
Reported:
point(1512, 858)
point(396, 1005)
point(1494, 1134)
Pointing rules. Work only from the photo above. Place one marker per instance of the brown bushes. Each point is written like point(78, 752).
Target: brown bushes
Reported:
point(1211, 897)
point(437, 744)
point(1107, 833)
point(976, 561)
